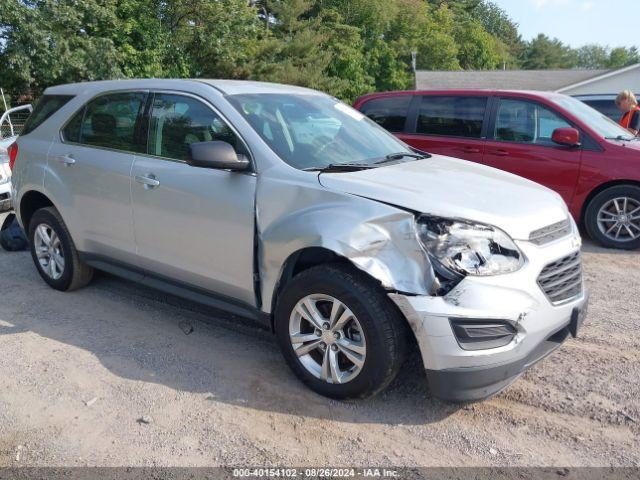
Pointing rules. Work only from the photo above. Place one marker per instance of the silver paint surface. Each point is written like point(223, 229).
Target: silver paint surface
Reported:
point(227, 224)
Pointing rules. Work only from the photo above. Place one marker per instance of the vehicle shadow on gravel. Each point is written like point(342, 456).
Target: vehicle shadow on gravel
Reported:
point(589, 246)
point(140, 334)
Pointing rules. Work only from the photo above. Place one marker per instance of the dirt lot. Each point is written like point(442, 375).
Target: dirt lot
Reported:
point(82, 373)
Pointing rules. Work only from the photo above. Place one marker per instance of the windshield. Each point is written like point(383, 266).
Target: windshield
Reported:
point(603, 125)
point(314, 131)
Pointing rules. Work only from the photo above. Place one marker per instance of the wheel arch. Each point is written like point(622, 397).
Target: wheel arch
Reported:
point(601, 188)
point(303, 259)
point(30, 202)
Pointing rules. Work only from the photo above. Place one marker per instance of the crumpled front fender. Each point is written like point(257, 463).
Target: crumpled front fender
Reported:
point(377, 238)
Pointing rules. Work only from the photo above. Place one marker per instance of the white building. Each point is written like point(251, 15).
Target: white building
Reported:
point(569, 82)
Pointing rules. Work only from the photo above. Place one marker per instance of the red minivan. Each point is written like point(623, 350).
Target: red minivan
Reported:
point(552, 139)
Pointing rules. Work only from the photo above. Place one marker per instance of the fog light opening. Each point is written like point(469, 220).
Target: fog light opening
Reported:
point(480, 334)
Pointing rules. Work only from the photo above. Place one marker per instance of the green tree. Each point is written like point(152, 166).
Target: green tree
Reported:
point(545, 53)
point(477, 48)
point(45, 42)
point(439, 49)
point(592, 56)
point(623, 57)
point(505, 31)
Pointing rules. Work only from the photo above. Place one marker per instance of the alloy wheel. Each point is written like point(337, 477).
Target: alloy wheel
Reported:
point(619, 219)
point(327, 338)
point(49, 251)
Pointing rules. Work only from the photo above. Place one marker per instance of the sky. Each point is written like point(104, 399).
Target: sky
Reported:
point(577, 22)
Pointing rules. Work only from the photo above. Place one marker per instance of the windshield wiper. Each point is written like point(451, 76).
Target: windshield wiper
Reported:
point(340, 167)
point(621, 138)
point(399, 156)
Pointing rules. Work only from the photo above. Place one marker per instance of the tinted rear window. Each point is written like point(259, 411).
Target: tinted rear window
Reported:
point(389, 112)
point(44, 108)
point(451, 116)
point(108, 121)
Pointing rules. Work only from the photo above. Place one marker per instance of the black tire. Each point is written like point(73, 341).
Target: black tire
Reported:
point(384, 329)
point(591, 216)
point(75, 274)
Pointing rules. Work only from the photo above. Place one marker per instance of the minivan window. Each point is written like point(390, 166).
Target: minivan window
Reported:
point(388, 112)
point(526, 122)
point(178, 121)
point(44, 108)
point(601, 124)
point(452, 116)
point(606, 107)
point(109, 121)
point(314, 131)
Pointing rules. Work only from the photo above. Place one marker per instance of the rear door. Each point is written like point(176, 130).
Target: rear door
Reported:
point(193, 225)
point(520, 142)
point(452, 125)
point(89, 171)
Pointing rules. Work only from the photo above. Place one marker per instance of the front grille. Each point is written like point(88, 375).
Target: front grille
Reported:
point(550, 233)
point(562, 279)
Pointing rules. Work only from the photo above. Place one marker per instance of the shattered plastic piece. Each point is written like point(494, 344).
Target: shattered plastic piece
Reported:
point(88, 403)
point(145, 420)
point(186, 327)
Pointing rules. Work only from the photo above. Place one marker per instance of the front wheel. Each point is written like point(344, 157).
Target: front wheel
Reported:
point(613, 217)
point(339, 332)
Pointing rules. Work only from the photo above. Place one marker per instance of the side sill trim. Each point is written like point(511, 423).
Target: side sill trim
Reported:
point(179, 289)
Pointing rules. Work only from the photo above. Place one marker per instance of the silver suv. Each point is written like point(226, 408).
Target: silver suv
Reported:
point(284, 205)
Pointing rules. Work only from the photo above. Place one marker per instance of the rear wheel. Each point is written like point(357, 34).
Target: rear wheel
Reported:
point(54, 252)
point(339, 332)
point(613, 217)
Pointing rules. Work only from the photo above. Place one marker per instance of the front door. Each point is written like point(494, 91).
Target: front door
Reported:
point(193, 225)
point(520, 142)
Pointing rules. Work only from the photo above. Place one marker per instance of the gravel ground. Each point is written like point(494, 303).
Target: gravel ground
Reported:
point(106, 376)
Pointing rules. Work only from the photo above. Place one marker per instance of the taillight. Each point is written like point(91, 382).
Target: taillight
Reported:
point(13, 154)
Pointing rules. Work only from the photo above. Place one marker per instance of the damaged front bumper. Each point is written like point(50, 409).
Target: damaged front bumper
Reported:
point(487, 331)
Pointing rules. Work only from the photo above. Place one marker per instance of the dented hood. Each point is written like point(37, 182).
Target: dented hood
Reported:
point(454, 188)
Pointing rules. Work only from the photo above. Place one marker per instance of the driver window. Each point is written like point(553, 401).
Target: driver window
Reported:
point(178, 121)
point(526, 122)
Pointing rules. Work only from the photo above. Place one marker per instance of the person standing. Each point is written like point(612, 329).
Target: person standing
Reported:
point(626, 101)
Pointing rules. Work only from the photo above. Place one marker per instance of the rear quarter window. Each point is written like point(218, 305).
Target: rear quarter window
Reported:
point(44, 108)
point(388, 112)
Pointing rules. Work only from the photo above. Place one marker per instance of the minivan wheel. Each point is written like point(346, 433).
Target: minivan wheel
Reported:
point(54, 252)
point(339, 332)
point(613, 217)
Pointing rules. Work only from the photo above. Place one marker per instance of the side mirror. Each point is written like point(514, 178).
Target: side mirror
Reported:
point(216, 154)
point(566, 136)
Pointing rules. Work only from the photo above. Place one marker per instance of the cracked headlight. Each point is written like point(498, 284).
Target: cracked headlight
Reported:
point(468, 248)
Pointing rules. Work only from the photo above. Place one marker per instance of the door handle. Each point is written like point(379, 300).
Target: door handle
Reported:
point(469, 149)
point(66, 159)
point(500, 153)
point(149, 181)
